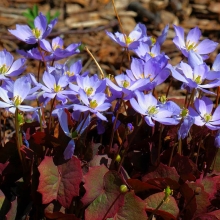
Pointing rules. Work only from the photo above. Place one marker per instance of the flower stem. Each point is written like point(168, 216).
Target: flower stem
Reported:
point(191, 98)
point(197, 157)
point(51, 109)
point(155, 210)
point(83, 122)
point(130, 142)
point(160, 142)
point(122, 29)
point(97, 64)
point(218, 95)
point(17, 132)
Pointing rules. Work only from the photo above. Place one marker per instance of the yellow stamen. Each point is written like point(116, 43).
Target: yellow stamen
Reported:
point(89, 91)
point(57, 88)
point(36, 32)
point(17, 100)
point(93, 104)
point(3, 69)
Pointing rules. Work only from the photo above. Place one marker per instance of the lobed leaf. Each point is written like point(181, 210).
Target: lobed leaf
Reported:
point(11, 215)
point(93, 183)
point(162, 171)
point(133, 208)
point(110, 198)
point(169, 208)
point(59, 182)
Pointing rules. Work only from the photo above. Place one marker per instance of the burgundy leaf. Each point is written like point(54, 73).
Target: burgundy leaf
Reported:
point(133, 208)
point(162, 171)
point(169, 208)
point(60, 216)
point(13, 210)
point(110, 199)
point(139, 186)
point(93, 183)
point(60, 182)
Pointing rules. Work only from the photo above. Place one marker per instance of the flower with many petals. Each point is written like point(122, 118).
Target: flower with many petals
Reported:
point(203, 113)
point(147, 106)
point(132, 40)
point(39, 32)
point(192, 42)
point(21, 89)
point(8, 68)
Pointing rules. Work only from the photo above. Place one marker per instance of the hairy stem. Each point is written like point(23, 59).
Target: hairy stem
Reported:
point(97, 64)
point(122, 29)
point(51, 109)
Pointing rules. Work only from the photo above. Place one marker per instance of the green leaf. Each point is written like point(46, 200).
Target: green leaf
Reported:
point(56, 15)
point(48, 17)
point(169, 208)
point(35, 11)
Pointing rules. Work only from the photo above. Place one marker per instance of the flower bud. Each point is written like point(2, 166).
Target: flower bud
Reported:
point(123, 188)
point(118, 158)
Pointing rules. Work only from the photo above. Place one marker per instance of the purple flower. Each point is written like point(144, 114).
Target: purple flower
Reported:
point(214, 73)
point(192, 42)
point(56, 49)
point(125, 86)
point(96, 105)
point(187, 123)
point(55, 85)
point(90, 85)
point(203, 113)
point(41, 30)
point(8, 68)
point(217, 139)
point(147, 106)
point(73, 70)
point(150, 70)
point(21, 89)
point(132, 40)
point(194, 77)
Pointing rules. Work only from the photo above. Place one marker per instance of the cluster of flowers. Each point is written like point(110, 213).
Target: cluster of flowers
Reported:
point(84, 93)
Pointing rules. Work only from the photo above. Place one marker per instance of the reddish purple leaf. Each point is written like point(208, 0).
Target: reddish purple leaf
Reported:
point(71, 177)
point(3, 166)
point(110, 199)
point(185, 167)
point(209, 185)
point(29, 154)
point(216, 165)
point(215, 215)
point(60, 182)
point(2, 198)
point(13, 210)
point(169, 208)
point(39, 137)
point(60, 216)
point(49, 180)
point(139, 186)
point(133, 208)
point(202, 200)
point(162, 171)
point(190, 199)
point(93, 183)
